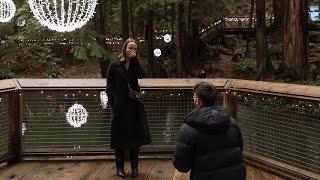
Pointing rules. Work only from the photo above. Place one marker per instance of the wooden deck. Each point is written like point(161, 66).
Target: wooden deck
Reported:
point(105, 170)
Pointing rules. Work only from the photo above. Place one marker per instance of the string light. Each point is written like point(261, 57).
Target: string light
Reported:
point(63, 15)
point(231, 19)
point(7, 10)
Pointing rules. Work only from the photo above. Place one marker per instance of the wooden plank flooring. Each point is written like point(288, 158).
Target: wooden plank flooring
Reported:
point(160, 169)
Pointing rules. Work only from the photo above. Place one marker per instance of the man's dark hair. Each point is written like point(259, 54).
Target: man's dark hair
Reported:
point(206, 92)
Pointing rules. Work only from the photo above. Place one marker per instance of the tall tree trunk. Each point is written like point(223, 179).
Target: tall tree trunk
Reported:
point(264, 65)
point(149, 39)
point(250, 27)
point(173, 42)
point(295, 36)
point(276, 11)
point(181, 45)
point(188, 42)
point(194, 37)
point(101, 31)
point(189, 15)
point(277, 28)
point(125, 22)
point(194, 42)
point(131, 18)
point(173, 14)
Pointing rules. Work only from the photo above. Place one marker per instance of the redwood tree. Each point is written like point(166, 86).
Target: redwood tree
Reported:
point(181, 44)
point(101, 31)
point(149, 43)
point(125, 21)
point(295, 37)
point(249, 26)
point(264, 64)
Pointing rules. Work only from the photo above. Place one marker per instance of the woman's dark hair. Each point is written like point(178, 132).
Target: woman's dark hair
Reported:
point(206, 92)
point(124, 47)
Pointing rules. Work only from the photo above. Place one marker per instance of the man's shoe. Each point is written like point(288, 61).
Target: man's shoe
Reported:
point(121, 173)
point(134, 172)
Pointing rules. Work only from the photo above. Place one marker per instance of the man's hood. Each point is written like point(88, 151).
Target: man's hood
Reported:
point(213, 119)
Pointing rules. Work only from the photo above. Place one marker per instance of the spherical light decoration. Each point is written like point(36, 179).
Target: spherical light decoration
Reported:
point(167, 38)
point(63, 15)
point(157, 52)
point(21, 22)
point(77, 115)
point(104, 99)
point(7, 10)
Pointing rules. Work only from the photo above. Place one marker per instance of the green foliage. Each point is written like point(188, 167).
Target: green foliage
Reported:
point(80, 53)
point(30, 60)
point(315, 81)
point(5, 74)
point(34, 58)
point(245, 67)
point(314, 38)
point(91, 50)
point(275, 53)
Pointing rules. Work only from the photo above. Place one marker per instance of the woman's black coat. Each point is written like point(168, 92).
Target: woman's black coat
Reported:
point(210, 145)
point(129, 127)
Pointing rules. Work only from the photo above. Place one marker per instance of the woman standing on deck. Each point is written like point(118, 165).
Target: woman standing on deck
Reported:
point(129, 128)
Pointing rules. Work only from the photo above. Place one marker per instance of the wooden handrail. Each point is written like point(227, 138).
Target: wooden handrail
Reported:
point(7, 85)
point(271, 88)
point(279, 89)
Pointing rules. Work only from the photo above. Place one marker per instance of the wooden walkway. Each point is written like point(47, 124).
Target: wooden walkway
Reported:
point(160, 169)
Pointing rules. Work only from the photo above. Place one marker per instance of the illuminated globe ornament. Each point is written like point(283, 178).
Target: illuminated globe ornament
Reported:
point(21, 22)
point(63, 15)
point(104, 99)
point(7, 10)
point(157, 52)
point(77, 115)
point(167, 38)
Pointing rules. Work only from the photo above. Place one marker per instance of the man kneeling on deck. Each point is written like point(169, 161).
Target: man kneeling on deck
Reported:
point(209, 141)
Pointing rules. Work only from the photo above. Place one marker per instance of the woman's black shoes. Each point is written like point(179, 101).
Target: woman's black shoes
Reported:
point(121, 173)
point(134, 172)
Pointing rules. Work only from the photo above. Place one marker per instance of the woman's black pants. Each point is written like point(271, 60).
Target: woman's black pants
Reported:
point(134, 153)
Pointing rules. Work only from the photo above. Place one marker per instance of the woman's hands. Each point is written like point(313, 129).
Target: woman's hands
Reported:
point(131, 53)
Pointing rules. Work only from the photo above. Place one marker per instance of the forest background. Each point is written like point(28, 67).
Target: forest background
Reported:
point(271, 40)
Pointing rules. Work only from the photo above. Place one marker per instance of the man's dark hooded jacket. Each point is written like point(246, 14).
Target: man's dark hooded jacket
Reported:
point(210, 145)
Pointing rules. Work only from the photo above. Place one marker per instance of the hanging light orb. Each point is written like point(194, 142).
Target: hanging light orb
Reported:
point(77, 115)
point(103, 99)
point(167, 38)
point(21, 22)
point(157, 52)
point(7, 10)
point(63, 15)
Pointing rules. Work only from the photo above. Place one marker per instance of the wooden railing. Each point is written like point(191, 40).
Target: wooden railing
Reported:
point(230, 25)
point(280, 122)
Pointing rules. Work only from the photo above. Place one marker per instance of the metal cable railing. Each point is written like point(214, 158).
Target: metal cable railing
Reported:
point(287, 130)
point(45, 127)
point(5, 137)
